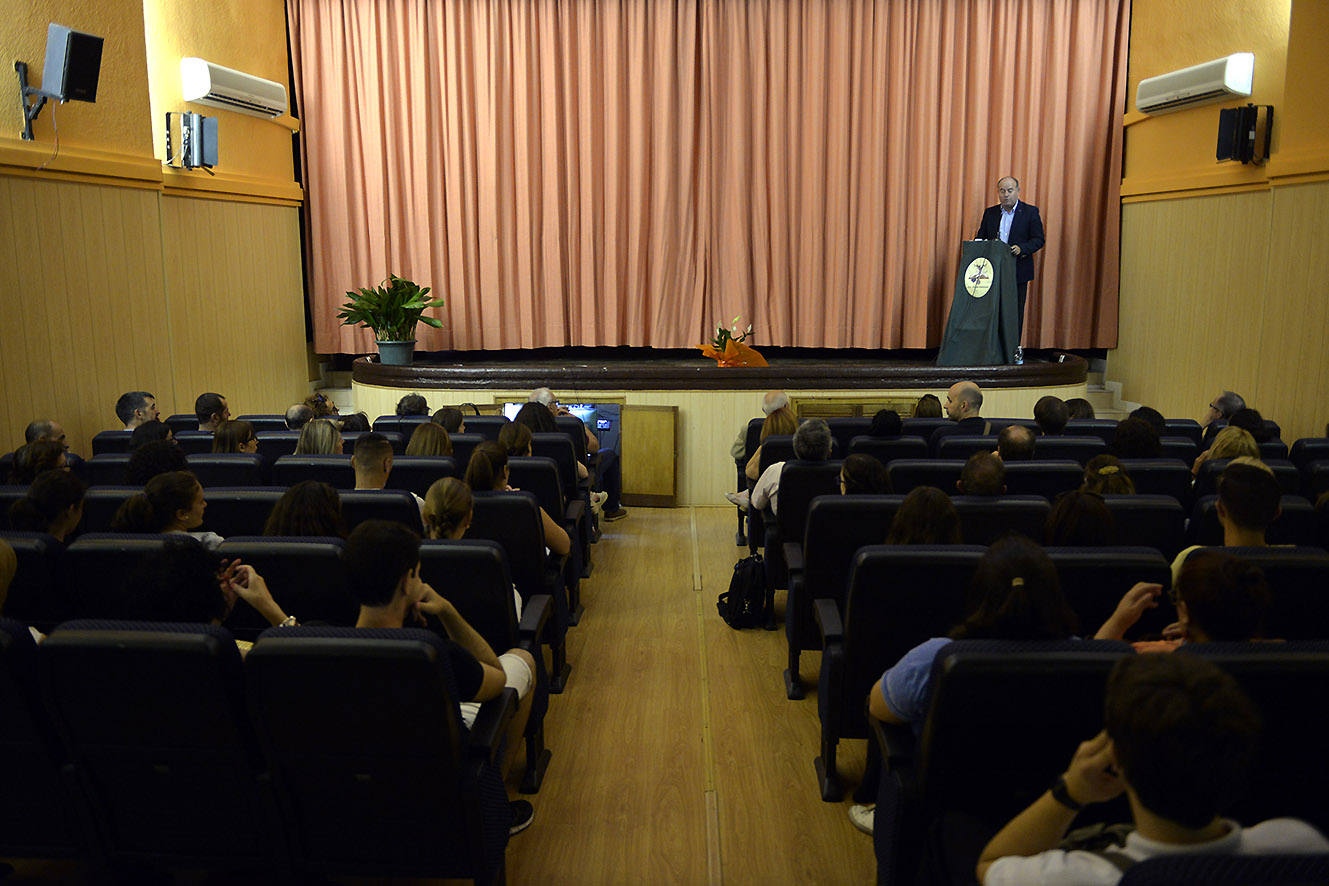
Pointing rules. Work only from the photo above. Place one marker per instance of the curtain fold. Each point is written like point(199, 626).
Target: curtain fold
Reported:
point(625, 172)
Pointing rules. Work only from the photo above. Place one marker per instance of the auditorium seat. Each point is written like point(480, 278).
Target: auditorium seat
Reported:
point(194, 442)
point(559, 447)
point(462, 447)
point(884, 449)
point(575, 430)
point(907, 474)
point(1227, 869)
point(962, 446)
point(986, 518)
point(836, 527)
point(780, 447)
point(1294, 525)
point(1206, 481)
point(229, 469)
point(368, 750)
point(539, 475)
point(1273, 450)
point(272, 445)
point(1298, 579)
point(1156, 521)
point(800, 483)
point(359, 505)
point(334, 470)
point(1046, 477)
point(997, 425)
point(1183, 427)
point(845, 428)
point(39, 594)
point(1309, 449)
point(100, 504)
point(161, 744)
point(398, 424)
point(1182, 448)
point(396, 438)
point(100, 566)
point(305, 577)
point(1160, 476)
point(264, 423)
point(487, 426)
point(923, 427)
point(1315, 479)
point(107, 442)
point(416, 473)
point(180, 422)
point(110, 469)
point(898, 596)
point(473, 575)
point(9, 495)
point(239, 510)
point(1081, 449)
point(1103, 428)
point(1094, 579)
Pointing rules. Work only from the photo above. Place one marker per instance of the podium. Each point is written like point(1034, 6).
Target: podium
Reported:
point(984, 324)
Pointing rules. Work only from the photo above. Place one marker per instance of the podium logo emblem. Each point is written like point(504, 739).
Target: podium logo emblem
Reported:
point(978, 277)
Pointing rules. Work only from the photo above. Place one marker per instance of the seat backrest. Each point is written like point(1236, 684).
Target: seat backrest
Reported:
point(1304, 451)
point(416, 473)
point(1183, 448)
point(986, 518)
point(845, 428)
point(1081, 449)
point(100, 565)
point(558, 447)
point(1095, 579)
point(462, 447)
point(512, 520)
point(272, 445)
point(358, 505)
point(1102, 428)
point(487, 426)
point(1226, 869)
point(194, 442)
point(110, 469)
point(1206, 481)
point(176, 787)
point(1046, 477)
point(961, 446)
point(539, 475)
point(1160, 476)
point(1156, 521)
point(100, 504)
point(780, 447)
point(239, 510)
point(181, 422)
point(106, 442)
point(263, 423)
point(305, 577)
point(837, 526)
point(1273, 450)
point(1298, 580)
point(398, 440)
point(473, 574)
point(800, 483)
point(996, 425)
point(39, 593)
point(923, 427)
point(884, 449)
point(398, 424)
point(1294, 525)
point(229, 469)
point(1183, 427)
point(575, 430)
point(334, 470)
point(367, 747)
point(752, 437)
point(907, 474)
point(9, 495)
point(1315, 482)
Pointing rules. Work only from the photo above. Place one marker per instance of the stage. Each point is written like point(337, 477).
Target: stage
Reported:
point(682, 394)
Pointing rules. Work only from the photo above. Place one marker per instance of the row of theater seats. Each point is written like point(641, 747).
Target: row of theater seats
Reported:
point(326, 751)
point(1006, 716)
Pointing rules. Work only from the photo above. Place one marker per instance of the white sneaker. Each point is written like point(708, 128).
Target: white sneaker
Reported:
point(598, 500)
point(738, 498)
point(863, 816)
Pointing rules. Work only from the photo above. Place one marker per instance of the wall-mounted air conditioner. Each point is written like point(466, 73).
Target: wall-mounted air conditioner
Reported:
point(1200, 84)
point(221, 87)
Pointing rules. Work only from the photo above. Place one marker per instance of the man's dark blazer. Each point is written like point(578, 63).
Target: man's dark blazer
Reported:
point(1026, 233)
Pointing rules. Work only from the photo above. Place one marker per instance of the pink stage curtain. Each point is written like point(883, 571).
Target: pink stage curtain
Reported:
point(629, 172)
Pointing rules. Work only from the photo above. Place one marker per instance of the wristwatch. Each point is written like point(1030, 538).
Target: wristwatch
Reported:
point(1062, 795)
point(289, 622)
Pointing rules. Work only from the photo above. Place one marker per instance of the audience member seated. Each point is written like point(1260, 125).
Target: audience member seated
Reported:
point(154, 459)
point(170, 504)
point(1160, 710)
point(412, 404)
point(382, 562)
point(863, 475)
point(1250, 420)
point(322, 406)
point(812, 442)
point(1135, 438)
point(235, 436)
point(449, 507)
point(298, 416)
point(964, 401)
point(355, 423)
point(309, 508)
point(1104, 475)
point(928, 407)
point(211, 410)
point(136, 408)
point(1080, 519)
point(54, 505)
point(1015, 443)
point(780, 422)
point(983, 474)
point(150, 432)
point(46, 429)
point(772, 401)
point(926, 517)
point(429, 439)
point(1079, 407)
point(886, 423)
point(320, 437)
point(33, 458)
point(488, 471)
point(1051, 414)
point(1153, 416)
point(451, 419)
point(1249, 499)
point(188, 582)
point(515, 438)
point(608, 470)
point(1221, 408)
point(372, 462)
point(1231, 442)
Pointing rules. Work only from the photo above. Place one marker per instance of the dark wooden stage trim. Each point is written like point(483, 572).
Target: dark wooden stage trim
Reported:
point(639, 369)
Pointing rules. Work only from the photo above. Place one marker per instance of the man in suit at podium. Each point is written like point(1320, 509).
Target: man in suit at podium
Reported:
point(1018, 225)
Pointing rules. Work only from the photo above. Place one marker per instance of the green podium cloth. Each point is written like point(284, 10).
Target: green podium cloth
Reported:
point(983, 327)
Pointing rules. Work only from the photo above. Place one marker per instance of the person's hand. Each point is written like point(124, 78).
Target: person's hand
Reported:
point(1092, 777)
point(511, 488)
point(1175, 631)
point(1199, 460)
point(224, 575)
point(1015, 250)
point(249, 586)
point(1129, 609)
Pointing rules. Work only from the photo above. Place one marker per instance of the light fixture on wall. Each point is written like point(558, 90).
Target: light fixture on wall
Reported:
point(198, 142)
point(73, 67)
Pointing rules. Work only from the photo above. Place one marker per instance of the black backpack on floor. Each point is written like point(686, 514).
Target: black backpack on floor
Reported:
point(744, 604)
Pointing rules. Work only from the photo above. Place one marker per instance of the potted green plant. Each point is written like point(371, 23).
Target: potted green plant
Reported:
point(391, 309)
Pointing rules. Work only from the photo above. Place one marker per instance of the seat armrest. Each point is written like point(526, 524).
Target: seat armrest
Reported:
point(491, 722)
point(827, 612)
point(533, 617)
point(575, 512)
point(793, 558)
point(895, 742)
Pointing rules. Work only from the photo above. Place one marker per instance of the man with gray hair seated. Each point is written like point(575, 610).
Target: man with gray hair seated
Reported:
point(298, 416)
point(771, 402)
point(812, 442)
point(1220, 409)
point(608, 473)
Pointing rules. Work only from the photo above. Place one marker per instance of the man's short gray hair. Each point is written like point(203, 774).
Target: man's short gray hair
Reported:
point(774, 400)
point(1229, 402)
point(812, 440)
point(544, 397)
point(37, 429)
point(298, 416)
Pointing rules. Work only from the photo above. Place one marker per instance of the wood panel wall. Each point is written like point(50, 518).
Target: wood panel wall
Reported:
point(110, 289)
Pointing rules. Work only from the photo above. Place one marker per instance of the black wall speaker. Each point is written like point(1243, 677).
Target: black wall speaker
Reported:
point(73, 64)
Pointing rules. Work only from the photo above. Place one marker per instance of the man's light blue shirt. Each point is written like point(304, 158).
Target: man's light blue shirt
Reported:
point(1006, 218)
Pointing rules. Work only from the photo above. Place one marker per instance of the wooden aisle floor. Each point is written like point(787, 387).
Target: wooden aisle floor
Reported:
point(677, 758)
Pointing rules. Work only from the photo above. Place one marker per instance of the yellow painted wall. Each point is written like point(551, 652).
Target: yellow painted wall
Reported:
point(1305, 128)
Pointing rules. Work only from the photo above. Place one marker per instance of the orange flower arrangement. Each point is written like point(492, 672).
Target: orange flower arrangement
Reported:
point(727, 347)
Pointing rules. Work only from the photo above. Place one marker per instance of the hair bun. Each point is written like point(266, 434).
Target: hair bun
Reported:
point(1108, 469)
point(1017, 582)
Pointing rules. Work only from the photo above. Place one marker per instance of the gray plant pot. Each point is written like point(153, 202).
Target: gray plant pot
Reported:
point(396, 353)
